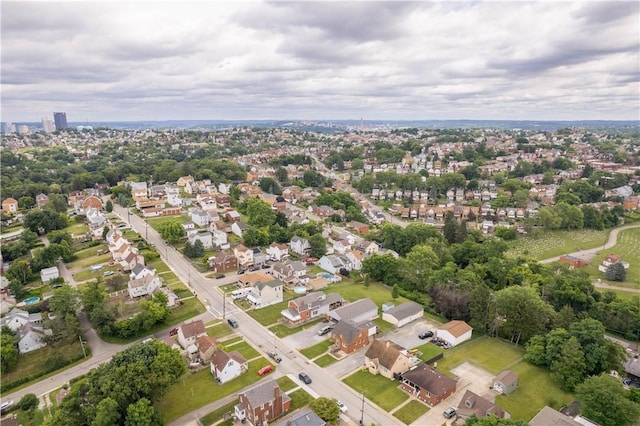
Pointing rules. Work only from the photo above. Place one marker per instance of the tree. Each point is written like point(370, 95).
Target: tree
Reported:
point(43, 221)
point(326, 408)
point(381, 268)
point(568, 370)
point(109, 206)
point(172, 231)
point(142, 413)
point(107, 413)
point(19, 272)
point(522, 312)
point(603, 400)
point(256, 236)
point(417, 266)
point(505, 233)
point(57, 237)
point(281, 174)
point(318, 245)
point(395, 292)
point(260, 213)
point(600, 353)
point(367, 280)
point(8, 349)
point(198, 249)
point(28, 402)
point(616, 272)
point(493, 420)
point(64, 301)
point(26, 202)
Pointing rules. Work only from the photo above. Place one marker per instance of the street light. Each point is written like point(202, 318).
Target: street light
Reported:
point(362, 410)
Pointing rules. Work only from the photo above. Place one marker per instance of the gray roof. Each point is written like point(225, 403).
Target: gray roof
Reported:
point(355, 309)
point(550, 417)
point(632, 366)
point(303, 418)
point(386, 352)
point(263, 393)
point(347, 329)
point(405, 310)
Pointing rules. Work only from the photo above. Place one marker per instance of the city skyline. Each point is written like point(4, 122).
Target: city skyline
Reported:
point(321, 60)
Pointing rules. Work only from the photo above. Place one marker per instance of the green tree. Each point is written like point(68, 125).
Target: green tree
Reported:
point(109, 206)
point(256, 236)
point(8, 349)
point(600, 353)
point(57, 237)
point(523, 313)
point(493, 420)
point(44, 221)
point(603, 400)
point(19, 272)
point(142, 413)
point(172, 231)
point(198, 249)
point(26, 202)
point(568, 370)
point(395, 292)
point(616, 272)
point(28, 402)
point(381, 268)
point(417, 266)
point(64, 301)
point(326, 408)
point(367, 280)
point(107, 413)
point(536, 350)
point(506, 234)
point(260, 213)
point(281, 174)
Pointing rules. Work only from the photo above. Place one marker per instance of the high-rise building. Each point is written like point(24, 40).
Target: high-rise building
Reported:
point(61, 120)
point(47, 125)
point(23, 129)
point(9, 128)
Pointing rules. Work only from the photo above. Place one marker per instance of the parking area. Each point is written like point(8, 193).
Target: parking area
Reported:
point(407, 336)
point(307, 337)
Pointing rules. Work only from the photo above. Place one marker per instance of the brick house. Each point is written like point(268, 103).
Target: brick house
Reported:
point(574, 262)
point(349, 336)
point(223, 262)
point(427, 384)
point(262, 403)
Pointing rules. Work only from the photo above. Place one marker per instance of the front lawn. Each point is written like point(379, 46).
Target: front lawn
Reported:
point(286, 384)
point(325, 360)
point(92, 259)
point(411, 412)
point(494, 355)
point(219, 330)
point(89, 252)
point(535, 390)
point(299, 399)
point(244, 348)
point(429, 350)
point(217, 415)
point(156, 223)
point(270, 314)
point(316, 350)
point(282, 330)
point(198, 389)
point(382, 391)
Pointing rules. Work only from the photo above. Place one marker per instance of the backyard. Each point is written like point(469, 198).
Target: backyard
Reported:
point(382, 391)
point(546, 244)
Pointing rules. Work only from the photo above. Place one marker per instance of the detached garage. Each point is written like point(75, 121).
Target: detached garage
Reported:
point(454, 332)
point(403, 314)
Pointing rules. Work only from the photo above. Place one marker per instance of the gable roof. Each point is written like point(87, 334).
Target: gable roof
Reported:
point(205, 343)
point(385, 352)
point(193, 329)
point(456, 328)
point(354, 309)
point(302, 418)
point(405, 310)
point(220, 359)
point(263, 393)
point(550, 417)
point(506, 377)
point(473, 404)
point(427, 378)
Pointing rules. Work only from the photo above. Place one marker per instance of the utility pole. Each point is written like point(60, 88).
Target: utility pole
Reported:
point(362, 410)
point(224, 305)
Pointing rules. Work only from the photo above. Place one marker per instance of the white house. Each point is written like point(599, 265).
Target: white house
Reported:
point(334, 262)
point(199, 217)
point(403, 314)
point(205, 237)
point(144, 286)
point(173, 195)
point(243, 254)
point(220, 239)
point(48, 274)
point(15, 319)
point(141, 271)
point(31, 337)
point(454, 332)
point(300, 246)
point(227, 366)
point(278, 251)
point(239, 227)
point(188, 333)
point(265, 294)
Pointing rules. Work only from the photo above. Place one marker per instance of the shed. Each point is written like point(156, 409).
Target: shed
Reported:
point(403, 314)
point(505, 382)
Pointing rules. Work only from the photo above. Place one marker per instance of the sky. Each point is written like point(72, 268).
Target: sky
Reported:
point(234, 60)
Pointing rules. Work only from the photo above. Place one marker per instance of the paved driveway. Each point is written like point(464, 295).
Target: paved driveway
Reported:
point(407, 336)
point(306, 337)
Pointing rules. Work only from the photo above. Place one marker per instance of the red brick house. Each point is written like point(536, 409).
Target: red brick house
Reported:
point(262, 403)
point(575, 262)
point(223, 262)
point(427, 384)
point(349, 336)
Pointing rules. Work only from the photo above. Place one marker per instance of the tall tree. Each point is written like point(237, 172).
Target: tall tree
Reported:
point(603, 400)
point(172, 231)
point(326, 408)
point(568, 369)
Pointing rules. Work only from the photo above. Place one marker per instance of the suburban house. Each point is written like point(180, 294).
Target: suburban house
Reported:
point(243, 254)
point(144, 286)
point(505, 382)
point(220, 238)
point(227, 366)
point(611, 259)
point(259, 257)
point(302, 418)
point(223, 262)
point(369, 248)
point(283, 271)
point(17, 318)
point(427, 384)
point(359, 227)
point(206, 347)
point(265, 293)
point(334, 263)
point(358, 311)
point(188, 333)
point(300, 246)
point(141, 271)
point(41, 200)
point(199, 217)
point(574, 262)
point(278, 251)
point(48, 274)
point(454, 332)
point(548, 416)
point(10, 205)
point(251, 278)
point(310, 306)
point(262, 403)
point(205, 237)
point(387, 359)
point(31, 337)
point(349, 336)
point(403, 314)
point(472, 404)
point(238, 227)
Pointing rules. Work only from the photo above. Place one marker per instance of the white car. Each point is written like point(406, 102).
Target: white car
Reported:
point(5, 405)
point(342, 407)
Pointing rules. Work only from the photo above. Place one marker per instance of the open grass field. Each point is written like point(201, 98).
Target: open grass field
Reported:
point(411, 412)
point(535, 390)
point(219, 330)
point(382, 391)
point(77, 229)
point(492, 354)
point(628, 247)
point(245, 349)
point(92, 259)
point(556, 243)
point(376, 292)
point(325, 360)
point(199, 389)
point(157, 222)
point(316, 350)
point(89, 252)
point(271, 314)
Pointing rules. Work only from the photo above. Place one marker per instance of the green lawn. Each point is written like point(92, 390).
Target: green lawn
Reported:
point(159, 265)
point(535, 390)
point(299, 399)
point(547, 244)
point(317, 349)
point(382, 391)
point(91, 260)
point(286, 384)
point(628, 247)
point(621, 293)
point(89, 252)
point(429, 350)
point(245, 349)
point(282, 330)
point(383, 326)
point(199, 389)
point(219, 330)
point(77, 229)
point(270, 314)
point(376, 292)
point(156, 223)
point(411, 412)
point(217, 415)
point(492, 354)
point(325, 360)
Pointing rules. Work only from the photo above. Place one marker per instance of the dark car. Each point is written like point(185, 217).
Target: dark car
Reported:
point(304, 377)
point(233, 323)
point(219, 276)
point(173, 331)
point(265, 266)
point(254, 268)
point(274, 356)
point(449, 412)
point(425, 334)
point(240, 271)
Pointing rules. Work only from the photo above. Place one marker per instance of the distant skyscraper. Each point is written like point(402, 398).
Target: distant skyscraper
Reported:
point(61, 120)
point(9, 128)
point(23, 129)
point(47, 125)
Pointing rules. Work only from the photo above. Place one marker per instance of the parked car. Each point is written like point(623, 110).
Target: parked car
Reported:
point(254, 268)
point(265, 370)
point(219, 276)
point(5, 406)
point(304, 377)
point(342, 407)
point(173, 331)
point(324, 330)
point(233, 323)
point(240, 271)
point(425, 334)
point(265, 266)
point(449, 412)
point(108, 273)
point(274, 356)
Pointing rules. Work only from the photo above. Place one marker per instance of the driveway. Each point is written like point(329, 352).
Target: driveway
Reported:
point(407, 336)
point(307, 337)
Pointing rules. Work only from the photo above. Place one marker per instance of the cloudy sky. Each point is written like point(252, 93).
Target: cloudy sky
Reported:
point(147, 60)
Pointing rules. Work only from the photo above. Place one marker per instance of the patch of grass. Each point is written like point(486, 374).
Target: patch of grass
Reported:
point(217, 415)
point(286, 383)
point(299, 399)
point(376, 292)
point(411, 412)
point(383, 326)
point(34, 418)
point(535, 390)
point(245, 349)
point(317, 349)
point(545, 244)
point(91, 260)
point(282, 330)
point(198, 389)
point(382, 391)
point(159, 265)
point(77, 229)
point(156, 223)
point(492, 354)
point(88, 252)
point(270, 314)
point(628, 247)
point(325, 360)
point(429, 350)
point(621, 293)
point(219, 330)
